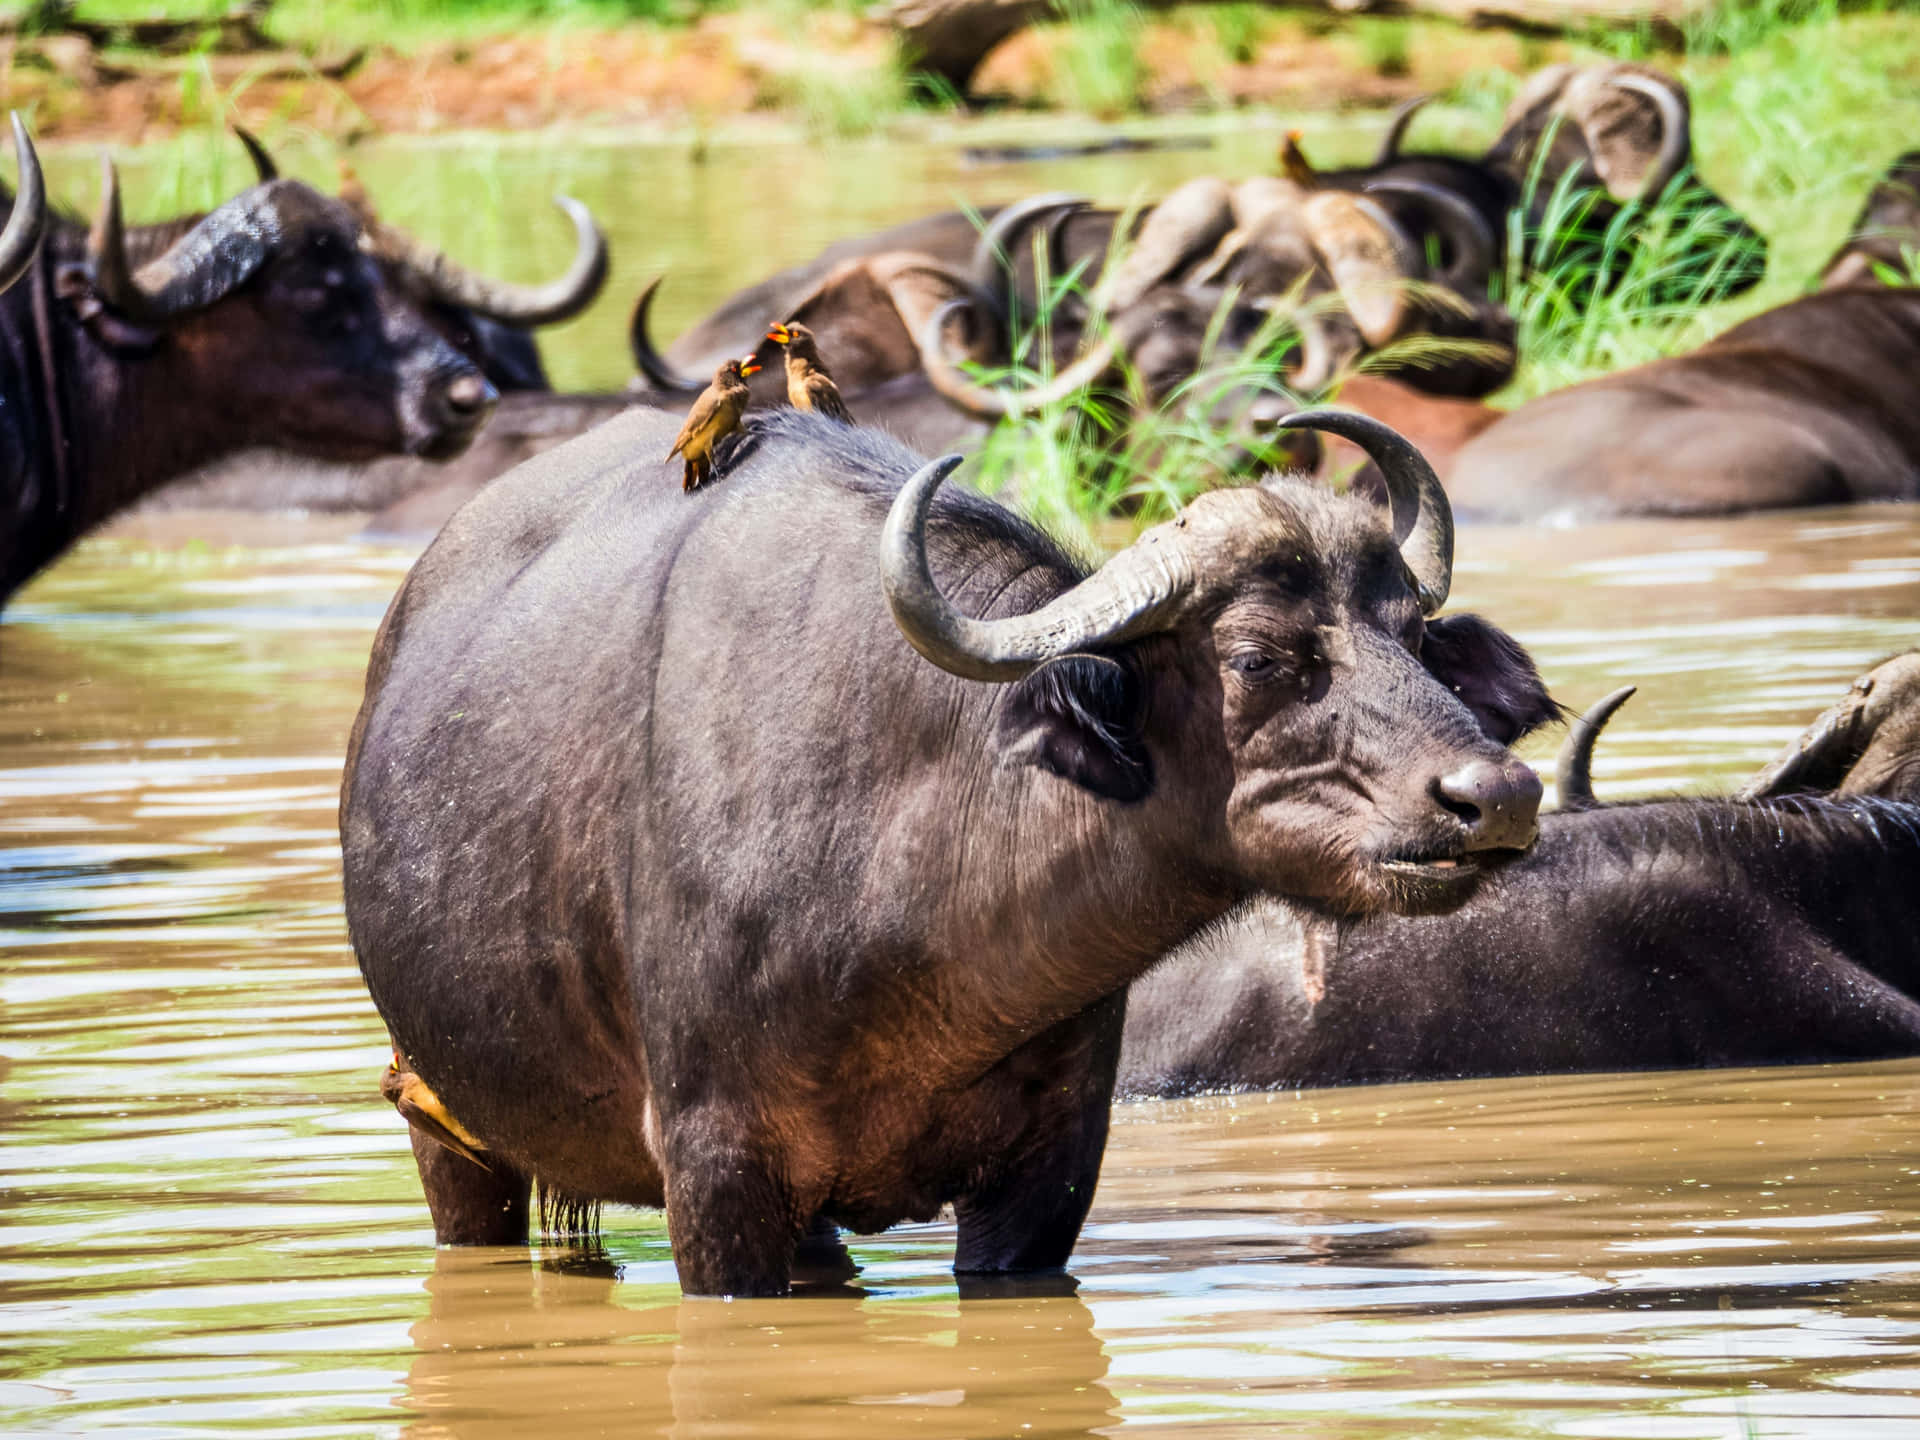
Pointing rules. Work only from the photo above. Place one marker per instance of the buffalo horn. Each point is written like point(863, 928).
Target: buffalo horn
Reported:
point(988, 402)
point(201, 267)
point(995, 261)
point(1676, 139)
point(1369, 257)
point(649, 361)
point(1468, 235)
point(1397, 128)
point(1125, 598)
point(28, 221)
point(263, 167)
point(521, 305)
point(1422, 518)
point(1573, 771)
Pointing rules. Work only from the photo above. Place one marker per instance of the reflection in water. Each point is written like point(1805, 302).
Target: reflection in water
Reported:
point(835, 1366)
point(212, 1221)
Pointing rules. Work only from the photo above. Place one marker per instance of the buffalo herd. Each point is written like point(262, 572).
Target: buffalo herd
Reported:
point(829, 847)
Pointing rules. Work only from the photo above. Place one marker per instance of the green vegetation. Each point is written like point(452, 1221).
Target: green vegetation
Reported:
point(1097, 62)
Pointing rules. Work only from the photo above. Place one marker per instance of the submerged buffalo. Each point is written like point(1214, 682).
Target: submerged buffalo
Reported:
point(779, 854)
point(1809, 403)
point(268, 322)
point(1622, 133)
point(1776, 927)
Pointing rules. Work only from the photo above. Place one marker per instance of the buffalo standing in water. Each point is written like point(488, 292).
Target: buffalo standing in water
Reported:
point(682, 879)
point(1776, 927)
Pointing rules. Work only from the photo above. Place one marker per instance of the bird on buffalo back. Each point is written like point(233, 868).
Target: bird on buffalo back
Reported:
point(809, 386)
point(714, 416)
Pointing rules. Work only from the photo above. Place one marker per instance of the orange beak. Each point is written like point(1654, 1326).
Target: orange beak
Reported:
point(749, 366)
point(779, 334)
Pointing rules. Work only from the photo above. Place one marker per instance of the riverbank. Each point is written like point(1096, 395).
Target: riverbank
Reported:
point(406, 67)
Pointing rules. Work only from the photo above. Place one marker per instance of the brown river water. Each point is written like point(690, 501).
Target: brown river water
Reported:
point(209, 1220)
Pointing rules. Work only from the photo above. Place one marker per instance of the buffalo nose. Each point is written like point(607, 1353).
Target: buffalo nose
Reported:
point(471, 395)
point(1498, 803)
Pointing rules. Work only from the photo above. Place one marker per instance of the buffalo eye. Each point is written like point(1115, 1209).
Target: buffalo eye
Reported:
point(1252, 665)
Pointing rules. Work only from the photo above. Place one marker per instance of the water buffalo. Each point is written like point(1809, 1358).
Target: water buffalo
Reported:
point(1775, 927)
point(268, 322)
point(780, 853)
point(1624, 129)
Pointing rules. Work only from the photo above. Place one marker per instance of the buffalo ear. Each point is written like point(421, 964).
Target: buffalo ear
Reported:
point(1078, 717)
point(1492, 674)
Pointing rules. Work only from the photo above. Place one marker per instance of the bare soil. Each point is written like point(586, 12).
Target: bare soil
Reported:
point(725, 66)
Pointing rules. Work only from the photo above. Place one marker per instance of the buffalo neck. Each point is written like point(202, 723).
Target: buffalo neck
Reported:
point(1057, 899)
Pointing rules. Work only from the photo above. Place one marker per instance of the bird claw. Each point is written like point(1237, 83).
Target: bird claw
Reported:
point(736, 448)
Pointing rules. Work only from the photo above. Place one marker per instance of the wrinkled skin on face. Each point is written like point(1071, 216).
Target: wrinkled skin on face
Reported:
point(1316, 651)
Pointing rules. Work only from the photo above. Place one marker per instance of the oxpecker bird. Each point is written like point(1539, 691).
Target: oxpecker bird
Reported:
point(809, 386)
point(421, 1109)
point(714, 416)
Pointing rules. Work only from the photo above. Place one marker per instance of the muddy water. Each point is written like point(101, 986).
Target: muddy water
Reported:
point(211, 1222)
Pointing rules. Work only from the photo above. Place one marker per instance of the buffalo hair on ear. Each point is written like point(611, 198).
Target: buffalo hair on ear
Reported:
point(1078, 717)
point(1493, 675)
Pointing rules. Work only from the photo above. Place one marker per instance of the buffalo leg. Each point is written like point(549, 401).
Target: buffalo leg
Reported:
point(733, 1225)
point(1028, 1217)
point(471, 1206)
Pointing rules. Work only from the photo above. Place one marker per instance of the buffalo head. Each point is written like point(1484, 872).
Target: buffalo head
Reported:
point(276, 310)
point(1267, 661)
point(487, 320)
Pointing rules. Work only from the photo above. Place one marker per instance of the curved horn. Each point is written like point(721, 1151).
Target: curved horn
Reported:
point(1676, 136)
point(649, 361)
point(994, 263)
point(523, 305)
point(1124, 598)
point(1402, 117)
point(263, 167)
point(1368, 255)
point(20, 241)
point(987, 402)
point(1573, 771)
point(1422, 518)
point(1317, 355)
point(1469, 237)
point(201, 267)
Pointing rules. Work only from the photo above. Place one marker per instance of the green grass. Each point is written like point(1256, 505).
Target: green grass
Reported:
point(1097, 62)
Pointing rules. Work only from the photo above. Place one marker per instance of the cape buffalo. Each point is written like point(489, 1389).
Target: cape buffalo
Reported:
point(1624, 129)
point(490, 321)
point(1773, 928)
point(780, 853)
point(1810, 403)
point(269, 322)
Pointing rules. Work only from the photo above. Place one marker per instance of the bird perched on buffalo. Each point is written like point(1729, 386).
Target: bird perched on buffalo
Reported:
point(421, 1109)
point(714, 416)
point(809, 386)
